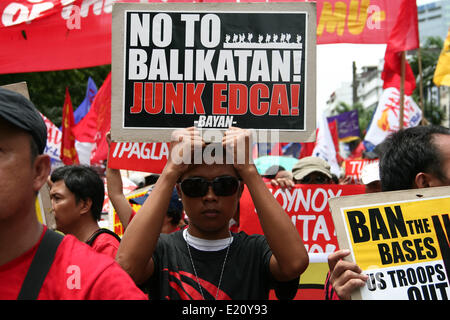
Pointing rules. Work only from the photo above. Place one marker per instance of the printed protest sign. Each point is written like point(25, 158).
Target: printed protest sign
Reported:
point(307, 206)
point(138, 156)
point(400, 240)
point(213, 66)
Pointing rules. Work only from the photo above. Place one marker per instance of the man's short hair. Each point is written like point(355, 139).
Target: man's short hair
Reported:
point(408, 152)
point(84, 183)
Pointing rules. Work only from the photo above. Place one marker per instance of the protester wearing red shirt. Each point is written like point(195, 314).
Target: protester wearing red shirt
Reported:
point(75, 271)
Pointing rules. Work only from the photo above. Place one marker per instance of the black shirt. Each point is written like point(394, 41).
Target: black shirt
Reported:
point(246, 273)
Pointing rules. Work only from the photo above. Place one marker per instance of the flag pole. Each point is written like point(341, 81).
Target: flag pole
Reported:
point(402, 89)
point(419, 60)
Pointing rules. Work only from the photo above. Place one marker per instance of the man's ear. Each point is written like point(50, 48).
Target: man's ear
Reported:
point(423, 180)
point(41, 167)
point(86, 206)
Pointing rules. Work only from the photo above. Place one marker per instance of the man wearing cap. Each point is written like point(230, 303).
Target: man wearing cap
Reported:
point(370, 177)
point(311, 170)
point(308, 170)
point(35, 262)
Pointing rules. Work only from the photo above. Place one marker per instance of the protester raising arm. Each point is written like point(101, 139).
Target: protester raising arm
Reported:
point(141, 236)
point(115, 192)
point(287, 261)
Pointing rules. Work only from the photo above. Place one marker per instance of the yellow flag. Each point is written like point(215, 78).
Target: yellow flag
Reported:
point(442, 72)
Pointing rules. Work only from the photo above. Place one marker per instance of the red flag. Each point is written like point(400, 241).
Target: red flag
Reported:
point(391, 74)
point(97, 122)
point(68, 152)
point(404, 36)
point(102, 106)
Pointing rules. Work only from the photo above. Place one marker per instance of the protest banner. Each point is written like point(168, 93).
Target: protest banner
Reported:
point(54, 35)
point(348, 125)
point(248, 65)
point(307, 206)
point(387, 114)
point(354, 168)
point(400, 240)
point(138, 156)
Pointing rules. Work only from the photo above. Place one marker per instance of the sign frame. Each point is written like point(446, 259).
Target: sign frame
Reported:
point(145, 134)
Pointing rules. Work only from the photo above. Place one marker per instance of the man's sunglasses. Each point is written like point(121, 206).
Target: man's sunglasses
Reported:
point(222, 186)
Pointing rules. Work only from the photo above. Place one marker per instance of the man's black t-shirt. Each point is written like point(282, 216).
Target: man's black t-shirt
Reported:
point(246, 274)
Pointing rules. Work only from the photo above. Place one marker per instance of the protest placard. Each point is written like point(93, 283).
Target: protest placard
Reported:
point(138, 156)
point(400, 240)
point(307, 206)
point(213, 65)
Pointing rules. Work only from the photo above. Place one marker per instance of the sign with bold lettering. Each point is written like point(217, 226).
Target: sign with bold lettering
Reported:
point(213, 66)
point(138, 156)
point(307, 207)
point(400, 240)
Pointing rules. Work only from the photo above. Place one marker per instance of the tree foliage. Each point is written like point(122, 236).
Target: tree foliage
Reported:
point(429, 53)
point(47, 89)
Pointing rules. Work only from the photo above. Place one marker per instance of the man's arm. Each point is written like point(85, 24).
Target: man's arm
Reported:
point(114, 186)
point(115, 193)
point(141, 236)
point(289, 257)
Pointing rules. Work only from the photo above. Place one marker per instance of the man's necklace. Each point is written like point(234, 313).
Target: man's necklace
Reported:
point(221, 272)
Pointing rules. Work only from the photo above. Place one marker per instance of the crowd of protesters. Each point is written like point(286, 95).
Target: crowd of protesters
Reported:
point(159, 257)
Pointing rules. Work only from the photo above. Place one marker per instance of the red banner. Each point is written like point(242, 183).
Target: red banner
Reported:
point(138, 156)
point(307, 206)
point(58, 34)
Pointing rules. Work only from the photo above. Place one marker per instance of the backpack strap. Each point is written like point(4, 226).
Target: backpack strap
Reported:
point(91, 240)
point(40, 265)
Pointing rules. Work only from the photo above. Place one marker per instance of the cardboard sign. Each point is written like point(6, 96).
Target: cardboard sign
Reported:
point(307, 206)
point(400, 240)
point(138, 156)
point(213, 66)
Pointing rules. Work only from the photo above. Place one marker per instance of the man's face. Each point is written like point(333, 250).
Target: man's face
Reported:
point(65, 207)
point(17, 173)
point(210, 214)
point(314, 178)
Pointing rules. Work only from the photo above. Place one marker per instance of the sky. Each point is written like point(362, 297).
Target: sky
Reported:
point(334, 63)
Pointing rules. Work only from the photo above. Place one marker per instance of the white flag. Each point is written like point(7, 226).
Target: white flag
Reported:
point(387, 115)
point(324, 147)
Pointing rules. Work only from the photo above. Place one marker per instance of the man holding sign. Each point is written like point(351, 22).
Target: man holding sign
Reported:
point(417, 157)
point(206, 260)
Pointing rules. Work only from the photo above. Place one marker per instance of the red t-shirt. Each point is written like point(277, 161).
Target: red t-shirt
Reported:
point(77, 273)
point(106, 244)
